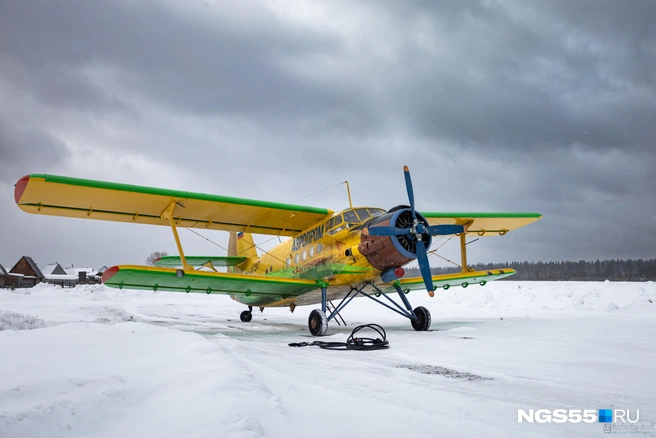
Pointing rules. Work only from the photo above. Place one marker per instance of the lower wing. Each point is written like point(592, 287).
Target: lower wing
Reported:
point(463, 279)
point(177, 280)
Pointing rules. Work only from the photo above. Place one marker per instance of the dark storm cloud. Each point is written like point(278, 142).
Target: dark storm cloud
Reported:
point(538, 74)
point(186, 65)
point(20, 149)
point(495, 105)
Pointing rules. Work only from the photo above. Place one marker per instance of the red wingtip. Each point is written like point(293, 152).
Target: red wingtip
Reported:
point(20, 187)
point(156, 260)
point(405, 169)
point(109, 273)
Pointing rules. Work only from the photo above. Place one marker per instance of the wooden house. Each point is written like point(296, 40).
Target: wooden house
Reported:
point(55, 274)
point(3, 275)
point(25, 273)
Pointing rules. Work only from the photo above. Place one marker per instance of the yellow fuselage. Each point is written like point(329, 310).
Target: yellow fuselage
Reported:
point(328, 251)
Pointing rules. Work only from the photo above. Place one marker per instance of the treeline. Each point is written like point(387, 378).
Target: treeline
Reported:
point(599, 270)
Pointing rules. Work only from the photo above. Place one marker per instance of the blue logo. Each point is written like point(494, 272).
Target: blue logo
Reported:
point(605, 415)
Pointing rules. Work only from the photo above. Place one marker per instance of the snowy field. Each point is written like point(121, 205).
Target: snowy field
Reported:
point(98, 362)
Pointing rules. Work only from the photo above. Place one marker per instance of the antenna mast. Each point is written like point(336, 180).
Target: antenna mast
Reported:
point(348, 189)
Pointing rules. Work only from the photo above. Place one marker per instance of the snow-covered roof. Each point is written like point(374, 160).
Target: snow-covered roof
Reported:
point(53, 269)
point(3, 271)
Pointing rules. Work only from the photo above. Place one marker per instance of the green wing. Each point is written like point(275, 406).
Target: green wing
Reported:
point(463, 279)
point(176, 280)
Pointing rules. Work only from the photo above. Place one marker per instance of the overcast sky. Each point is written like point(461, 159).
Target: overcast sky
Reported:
point(540, 106)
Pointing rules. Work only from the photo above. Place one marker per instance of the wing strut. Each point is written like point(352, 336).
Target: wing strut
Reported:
point(463, 253)
point(168, 214)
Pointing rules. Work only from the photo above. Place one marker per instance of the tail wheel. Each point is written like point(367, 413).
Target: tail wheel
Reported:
point(423, 321)
point(318, 323)
point(246, 316)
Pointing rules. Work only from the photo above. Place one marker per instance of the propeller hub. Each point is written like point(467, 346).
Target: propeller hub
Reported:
point(418, 228)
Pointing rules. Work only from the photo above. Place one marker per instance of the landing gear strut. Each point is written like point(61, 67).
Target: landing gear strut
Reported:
point(247, 315)
point(420, 317)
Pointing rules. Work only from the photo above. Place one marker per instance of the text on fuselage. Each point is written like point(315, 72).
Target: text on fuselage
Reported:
point(308, 238)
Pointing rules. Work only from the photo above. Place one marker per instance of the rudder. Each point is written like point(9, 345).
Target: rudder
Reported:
point(242, 245)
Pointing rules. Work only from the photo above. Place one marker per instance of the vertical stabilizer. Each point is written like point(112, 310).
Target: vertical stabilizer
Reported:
point(241, 245)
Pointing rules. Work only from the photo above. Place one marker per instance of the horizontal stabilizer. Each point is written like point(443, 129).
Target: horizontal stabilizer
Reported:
point(174, 261)
point(177, 280)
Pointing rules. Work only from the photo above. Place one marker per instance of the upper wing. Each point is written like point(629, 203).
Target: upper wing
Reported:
point(74, 197)
point(175, 280)
point(484, 224)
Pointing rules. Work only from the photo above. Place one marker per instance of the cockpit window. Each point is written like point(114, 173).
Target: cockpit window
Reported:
point(350, 217)
point(363, 213)
point(375, 212)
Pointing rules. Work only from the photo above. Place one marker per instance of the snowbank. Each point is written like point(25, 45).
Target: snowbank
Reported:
point(185, 365)
point(528, 298)
point(16, 321)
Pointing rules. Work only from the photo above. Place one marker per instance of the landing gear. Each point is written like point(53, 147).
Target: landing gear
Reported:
point(423, 321)
point(247, 315)
point(318, 322)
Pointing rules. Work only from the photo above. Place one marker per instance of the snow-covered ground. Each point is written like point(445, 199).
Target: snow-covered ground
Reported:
point(133, 364)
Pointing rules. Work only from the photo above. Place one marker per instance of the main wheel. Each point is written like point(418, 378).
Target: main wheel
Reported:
point(246, 316)
point(423, 321)
point(318, 323)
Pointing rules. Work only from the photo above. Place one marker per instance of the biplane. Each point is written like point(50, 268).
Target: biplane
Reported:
point(329, 256)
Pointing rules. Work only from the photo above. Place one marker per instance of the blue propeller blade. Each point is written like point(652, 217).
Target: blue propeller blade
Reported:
point(443, 230)
point(411, 193)
point(387, 231)
point(424, 265)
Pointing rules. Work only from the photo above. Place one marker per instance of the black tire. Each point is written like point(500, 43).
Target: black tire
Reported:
point(246, 316)
point(318, 323)
point(423, 321)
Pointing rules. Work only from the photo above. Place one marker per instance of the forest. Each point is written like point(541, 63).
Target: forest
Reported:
point(582, 270)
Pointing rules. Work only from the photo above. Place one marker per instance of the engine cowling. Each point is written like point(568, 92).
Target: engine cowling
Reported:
point(385, 252)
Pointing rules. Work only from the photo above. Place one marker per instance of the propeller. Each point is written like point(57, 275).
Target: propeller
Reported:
point(416, 231)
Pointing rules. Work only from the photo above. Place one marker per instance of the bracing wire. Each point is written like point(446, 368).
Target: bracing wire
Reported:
point(320, 191)
point(274, 237)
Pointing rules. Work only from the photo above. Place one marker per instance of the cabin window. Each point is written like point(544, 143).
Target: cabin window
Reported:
point(304, 255)
point(297, 258)
point(336, 230)
point(288, 262)
point(311, 251)
point(333, 222)
point(319, 247)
